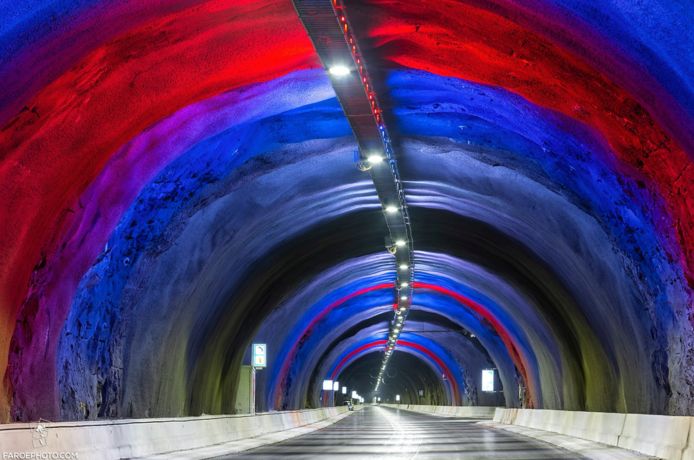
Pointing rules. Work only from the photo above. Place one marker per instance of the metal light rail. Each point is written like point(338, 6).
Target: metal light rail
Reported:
point(328, 26)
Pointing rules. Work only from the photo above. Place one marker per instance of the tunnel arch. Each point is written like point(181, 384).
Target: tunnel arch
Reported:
point(218, 321)
point(287, 356)
point(174, 172)
point(367, 346)
point(358, 307)
point(356, 376)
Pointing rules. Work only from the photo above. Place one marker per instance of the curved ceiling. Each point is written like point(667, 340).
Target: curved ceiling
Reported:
point(178, 179)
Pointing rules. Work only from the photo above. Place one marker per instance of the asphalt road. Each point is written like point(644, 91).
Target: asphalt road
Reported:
point(379, 432)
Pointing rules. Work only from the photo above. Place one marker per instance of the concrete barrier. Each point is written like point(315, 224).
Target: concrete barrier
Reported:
point(507, 416)
point(602, 427)
point(667, 437)
point(658, 435)
point(522, 417)
point(133, 438)
point(661, 436)
point(537, 419)
point(477, 412)
point(688, 453)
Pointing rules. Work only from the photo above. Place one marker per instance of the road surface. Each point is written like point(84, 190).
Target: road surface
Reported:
point(379, 432)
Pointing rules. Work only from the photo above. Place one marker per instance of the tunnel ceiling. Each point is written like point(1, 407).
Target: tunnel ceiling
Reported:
point(180, 178)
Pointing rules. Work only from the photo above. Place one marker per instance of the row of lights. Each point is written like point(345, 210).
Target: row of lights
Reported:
point(334, 386)
point(405, 271)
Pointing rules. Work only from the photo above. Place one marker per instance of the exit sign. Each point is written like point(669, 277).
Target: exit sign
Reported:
point(259, 355)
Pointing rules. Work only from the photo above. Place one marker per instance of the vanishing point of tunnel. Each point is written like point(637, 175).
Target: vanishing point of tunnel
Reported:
point(397, 195)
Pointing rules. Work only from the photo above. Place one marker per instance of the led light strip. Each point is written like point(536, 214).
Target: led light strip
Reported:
point(328, 26)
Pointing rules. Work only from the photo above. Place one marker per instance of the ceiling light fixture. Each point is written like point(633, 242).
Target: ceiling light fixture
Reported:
point(375, 159)
point(339, 70)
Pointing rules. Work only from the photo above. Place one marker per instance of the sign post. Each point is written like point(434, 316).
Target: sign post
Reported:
point(327, 390)
point(252, 408)
point(258, 361)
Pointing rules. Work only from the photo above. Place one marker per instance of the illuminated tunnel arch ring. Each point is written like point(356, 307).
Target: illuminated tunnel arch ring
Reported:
point(496, 325)
point(430, 357)
point(465, 301)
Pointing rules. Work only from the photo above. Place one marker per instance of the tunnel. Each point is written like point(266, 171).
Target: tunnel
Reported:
point(394, 196)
